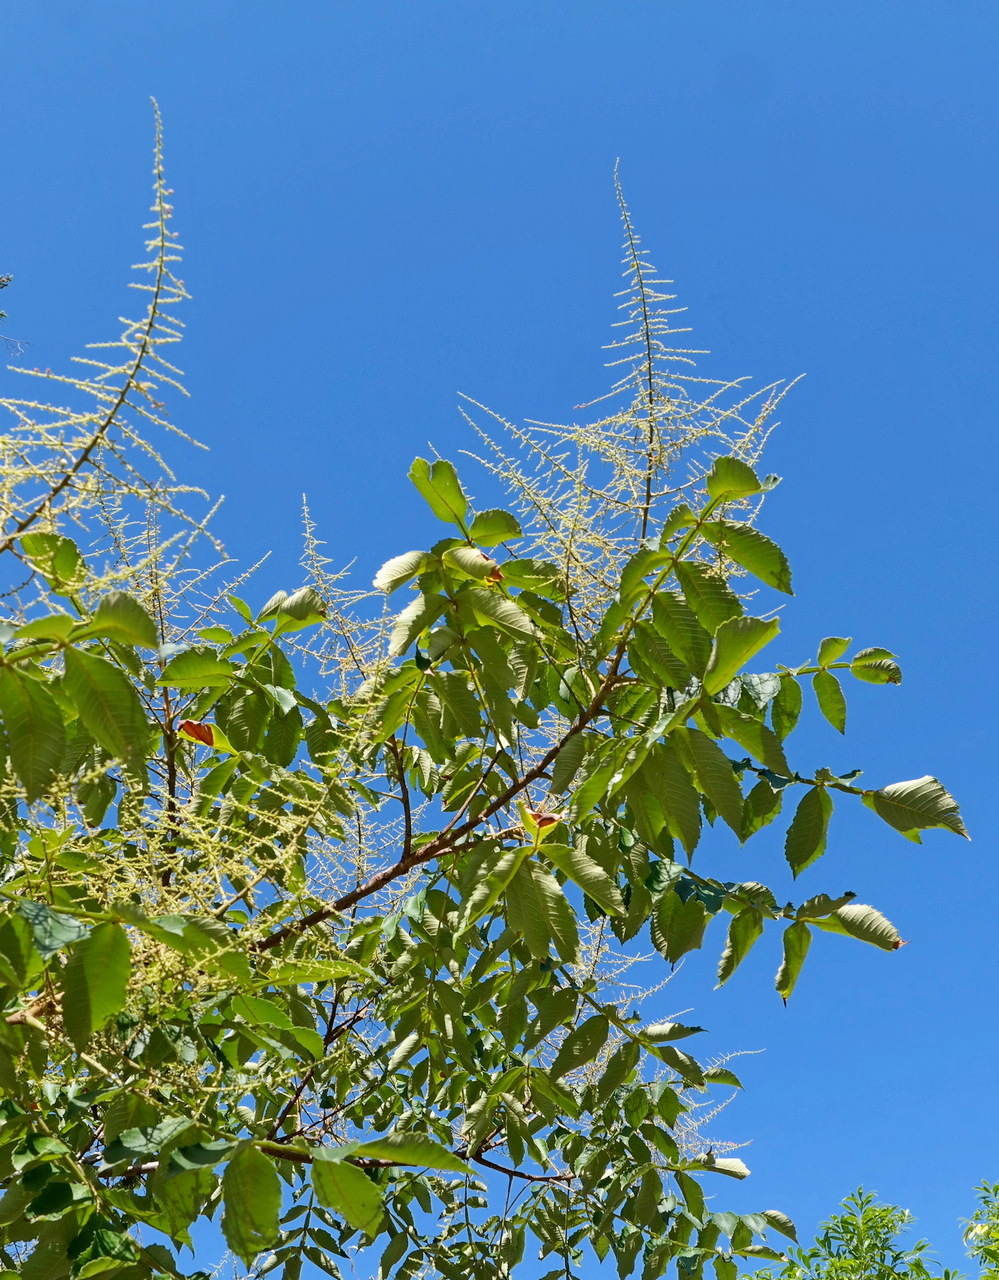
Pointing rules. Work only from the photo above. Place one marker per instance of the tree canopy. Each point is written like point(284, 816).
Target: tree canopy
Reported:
point(314, 915)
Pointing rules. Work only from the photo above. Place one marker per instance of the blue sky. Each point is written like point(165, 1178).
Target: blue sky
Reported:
point(388, 203)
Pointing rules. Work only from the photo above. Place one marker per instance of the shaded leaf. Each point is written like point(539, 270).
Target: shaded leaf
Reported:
point(108, 706)
point(829, 694)
point(806, 836)
point(414, 1149)
point(36, 731)
point(581, 1045)
point(797, 940)
point(348, 1191)
point(95, 981)
point(251, 1192)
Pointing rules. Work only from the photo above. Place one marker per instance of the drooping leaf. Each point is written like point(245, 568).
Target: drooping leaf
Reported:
point(754, 735)
point(786, 707)
point(677, 623)
point(678, 925)
point(109, 707)
point(347, 1190)
point(251, 1192)
point(752, 550)
point(911, 807)
point(414, 1149)
point(782, 1223)
point(736, 641)
point(761, 806)
point(35, 728)
point(414, 620)
point(668, 779)
point(745, 928)
point(95, 981)
point(587, 874)
point(438, 484)
point(829, 694)
point(806, 836)
point(715, 776)
point(581, 1045)
point(568, 760)
point(490, 528)
point(797, 940)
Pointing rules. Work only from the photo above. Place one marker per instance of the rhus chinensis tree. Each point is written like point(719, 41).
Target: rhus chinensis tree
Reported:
point(315, 917)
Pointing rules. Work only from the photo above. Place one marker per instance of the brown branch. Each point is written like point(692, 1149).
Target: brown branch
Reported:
point(518, 1173)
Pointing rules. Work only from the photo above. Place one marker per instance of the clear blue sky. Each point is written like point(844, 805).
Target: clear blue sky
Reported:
point(386, 203)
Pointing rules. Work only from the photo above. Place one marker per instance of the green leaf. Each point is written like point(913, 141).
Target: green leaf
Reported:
point(581, 1045)
point(438, 484)
point(348, 1191)
point(752, 550)
point(414, 620)
point(858, 920)
point(911, 807)
point(120, 617)
point(415, 1149)
point(745, 928)
point(95, 981)
point(757, 739)
point(619, 1068)
point(707, 593)
point(797, 940)
point(736, 641)
point(665, 774)
point(36, 731)
point(492, 608)
point(677, 623)
point(490, 528)
point(761, 806)
point(829, 694)
point(568, 760)
point(397, 571)
point(50, 930)
point(537, 909)
point(715, 776)
point(109, 707)
point(678, 926)
point(732, 478)
point(652, 659)
point(251, 1191)
point(57, 559)
point(304, 605)
point(782, 1223)
point(806, 836)
point(587, 874)
point(664, 1032)
point(680, 518)
point(786, 707)
point(876, 666)
point(197, 669)
point(470, 562)
point(832, 648)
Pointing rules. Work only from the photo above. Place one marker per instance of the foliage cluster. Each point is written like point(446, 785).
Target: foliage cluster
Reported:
point(316, 917)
